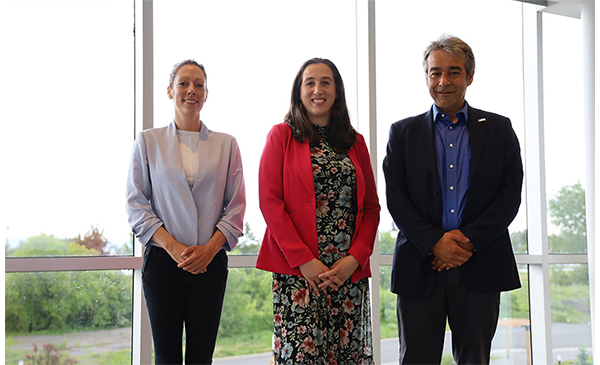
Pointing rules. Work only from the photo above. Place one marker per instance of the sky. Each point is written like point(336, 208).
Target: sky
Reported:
point(67, 115)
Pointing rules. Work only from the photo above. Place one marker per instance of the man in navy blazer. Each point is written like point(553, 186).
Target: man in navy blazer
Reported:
point(453, 185)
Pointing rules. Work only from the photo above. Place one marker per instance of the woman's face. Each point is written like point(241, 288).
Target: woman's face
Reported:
point(317, 92)
point(188, 91)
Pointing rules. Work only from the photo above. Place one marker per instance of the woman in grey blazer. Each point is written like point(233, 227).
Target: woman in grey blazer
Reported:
point(186, 204)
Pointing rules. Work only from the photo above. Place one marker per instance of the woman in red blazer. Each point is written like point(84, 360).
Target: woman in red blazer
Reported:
point(318, 197)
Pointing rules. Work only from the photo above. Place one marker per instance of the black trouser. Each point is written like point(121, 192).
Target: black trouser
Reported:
point(473, 318)
point(176, 298)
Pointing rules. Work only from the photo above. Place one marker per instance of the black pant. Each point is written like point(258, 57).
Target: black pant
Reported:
point(176, 298)
point(472, 317)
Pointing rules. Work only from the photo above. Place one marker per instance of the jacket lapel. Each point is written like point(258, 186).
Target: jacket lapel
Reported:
point(304, 164)
point(426, 140)
point(477, 136)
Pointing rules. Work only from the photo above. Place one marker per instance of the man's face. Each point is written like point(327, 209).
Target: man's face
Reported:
point(447, 81)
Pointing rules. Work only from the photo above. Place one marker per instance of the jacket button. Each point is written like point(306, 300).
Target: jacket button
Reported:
point(436, 191)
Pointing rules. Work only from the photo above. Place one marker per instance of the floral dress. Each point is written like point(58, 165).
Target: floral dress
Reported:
point(334, 328)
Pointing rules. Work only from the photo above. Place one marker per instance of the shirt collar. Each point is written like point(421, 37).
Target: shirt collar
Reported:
point(464, 111)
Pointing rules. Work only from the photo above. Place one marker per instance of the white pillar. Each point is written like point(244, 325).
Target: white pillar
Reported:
point(367, 126)
point(141, 349)
point(588, 37)
point(535, 185)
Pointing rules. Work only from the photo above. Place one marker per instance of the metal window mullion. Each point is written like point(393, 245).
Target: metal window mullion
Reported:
point(141, 347)
point(588, 45)
point(537, 237)
point(367, 126)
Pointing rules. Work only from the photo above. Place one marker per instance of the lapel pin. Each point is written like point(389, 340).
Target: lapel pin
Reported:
point(481, 120)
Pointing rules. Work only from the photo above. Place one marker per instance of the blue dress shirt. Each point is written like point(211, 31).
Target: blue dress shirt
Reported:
point(454, 164)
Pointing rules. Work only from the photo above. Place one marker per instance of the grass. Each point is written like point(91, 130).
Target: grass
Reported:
point(251, 343)
point(13, 356)
point(110, 357)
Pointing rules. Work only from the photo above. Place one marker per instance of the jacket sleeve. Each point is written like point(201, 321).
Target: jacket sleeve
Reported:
point(231, 222)
point(142, 219)
point(272, 200)
point(496, 216)
point(364, 238)
point(415, 226)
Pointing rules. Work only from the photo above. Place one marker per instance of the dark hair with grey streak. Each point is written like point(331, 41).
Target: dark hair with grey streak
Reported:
point(454, 46)
point(340, 133)
point(180, 65)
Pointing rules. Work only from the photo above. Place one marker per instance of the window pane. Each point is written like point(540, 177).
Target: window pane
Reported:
point(251, 62)
point(388, 319)
point(86, 316)
point(570, 311)
point(387, 240)
point(247, 320)
point(512, 341)
point(563, 126)
point(401, 84)
point(67, 122)
point(387, 305)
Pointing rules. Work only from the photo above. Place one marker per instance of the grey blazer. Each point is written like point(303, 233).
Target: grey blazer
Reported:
point(158, 193)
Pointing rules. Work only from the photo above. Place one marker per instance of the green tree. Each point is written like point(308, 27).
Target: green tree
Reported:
point(248, 305)
point(247, 244)
point(515, 304)
point(40, 301)
point(568, 209)
point(63, 301)
point(519, 241)
point(387, 242)
point(567, 212)
point(582, 356)
point(47, 245)
point(570, 292)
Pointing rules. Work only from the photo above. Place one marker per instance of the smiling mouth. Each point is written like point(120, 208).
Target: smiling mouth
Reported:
point(318, 101)
point(191, 101)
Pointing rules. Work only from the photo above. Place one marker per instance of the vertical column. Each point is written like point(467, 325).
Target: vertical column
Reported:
point(537, 235)
point(367, 125)
point(588, 45)
point(141, 349)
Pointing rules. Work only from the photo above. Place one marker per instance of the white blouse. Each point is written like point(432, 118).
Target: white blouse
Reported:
point(190, 155)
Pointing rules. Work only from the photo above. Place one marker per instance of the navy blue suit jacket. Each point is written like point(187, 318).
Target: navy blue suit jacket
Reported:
point(415, 202)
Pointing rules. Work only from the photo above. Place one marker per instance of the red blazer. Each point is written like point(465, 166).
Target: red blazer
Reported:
point(287, 200)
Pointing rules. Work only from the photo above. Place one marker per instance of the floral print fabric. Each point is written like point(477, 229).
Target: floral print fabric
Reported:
point(334, 328)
